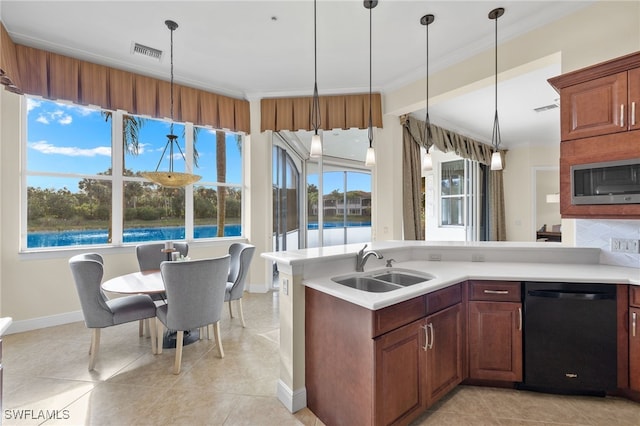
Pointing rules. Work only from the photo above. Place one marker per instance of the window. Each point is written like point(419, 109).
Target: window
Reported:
point(452, 193)
point(84, 186)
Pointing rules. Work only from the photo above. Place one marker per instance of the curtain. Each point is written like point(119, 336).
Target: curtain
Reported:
point(465, 147)
point(336, 112)
point(412, 139)
point(39, 72)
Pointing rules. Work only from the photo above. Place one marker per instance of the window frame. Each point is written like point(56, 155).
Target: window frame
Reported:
point(118, 179)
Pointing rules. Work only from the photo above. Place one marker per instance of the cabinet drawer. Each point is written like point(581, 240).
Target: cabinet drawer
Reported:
point(634, 295)
point(438, 300)
point(498, 291)
point(395, 316)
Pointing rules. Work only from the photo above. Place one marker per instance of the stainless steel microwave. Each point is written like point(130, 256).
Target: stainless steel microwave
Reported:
point(612, 182)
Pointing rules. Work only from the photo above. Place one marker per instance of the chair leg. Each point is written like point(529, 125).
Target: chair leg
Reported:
point(216, 332)
point(241, 313)
point(159, 335)
point(141, 328)
point(95, 344)
point(178, 361)
point(151, 326)
point(230, 310)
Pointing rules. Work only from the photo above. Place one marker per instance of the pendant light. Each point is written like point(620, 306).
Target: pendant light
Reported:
point(370, 159)
point(427, 162)
point(170, 178)
point(316, 141)
point(496, 157)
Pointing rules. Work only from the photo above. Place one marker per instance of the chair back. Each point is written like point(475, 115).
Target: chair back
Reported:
point(195, 291)
point(150, 256)
point(87, 270)
point(241, 255)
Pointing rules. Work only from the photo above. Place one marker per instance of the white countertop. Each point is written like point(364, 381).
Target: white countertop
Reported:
point(447, 273)
point(505, 261)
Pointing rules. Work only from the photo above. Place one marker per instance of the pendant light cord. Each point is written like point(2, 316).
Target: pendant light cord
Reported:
point(315, 107)
point(496, 124)
point(427, 122)
point(370, 74)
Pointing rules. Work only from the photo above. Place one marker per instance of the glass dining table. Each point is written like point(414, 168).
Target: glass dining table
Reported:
point(147, 282)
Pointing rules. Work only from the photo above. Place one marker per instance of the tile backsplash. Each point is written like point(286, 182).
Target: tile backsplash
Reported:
point(598, 233)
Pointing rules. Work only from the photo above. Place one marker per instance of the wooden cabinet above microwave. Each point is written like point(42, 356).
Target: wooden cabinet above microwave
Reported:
point(601, 99)
point(599, 122)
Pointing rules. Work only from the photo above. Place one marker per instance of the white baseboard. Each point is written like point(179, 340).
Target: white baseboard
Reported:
point(44, 322)
point(293, 401)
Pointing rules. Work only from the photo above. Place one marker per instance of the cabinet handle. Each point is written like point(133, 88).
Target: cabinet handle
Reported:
point(633, 324)
point(621, 115)
point(519, 319)
point(426, 338)
point(496, 292)
point(633, 113)
point(433, 336)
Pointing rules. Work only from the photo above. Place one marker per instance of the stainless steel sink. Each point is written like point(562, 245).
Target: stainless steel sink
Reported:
point(367, 284)
point(401, 278)
point(383, 281)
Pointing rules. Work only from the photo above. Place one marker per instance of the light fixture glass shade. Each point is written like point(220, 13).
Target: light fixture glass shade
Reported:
point(370, 159)
point(171, 179)
point(316, 146)
point(427, 162)
point(496, 161)
point(553, 198)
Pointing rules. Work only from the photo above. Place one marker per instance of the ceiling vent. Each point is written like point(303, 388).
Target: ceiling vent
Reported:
point(546, 108)
point(140, 49)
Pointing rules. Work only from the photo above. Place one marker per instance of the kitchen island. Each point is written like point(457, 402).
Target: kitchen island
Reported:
point(449, 264)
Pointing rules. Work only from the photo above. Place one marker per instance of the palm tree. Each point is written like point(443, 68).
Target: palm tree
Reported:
point(221, 166)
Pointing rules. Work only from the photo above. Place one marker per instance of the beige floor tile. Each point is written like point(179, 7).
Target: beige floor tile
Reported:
point(46, 374)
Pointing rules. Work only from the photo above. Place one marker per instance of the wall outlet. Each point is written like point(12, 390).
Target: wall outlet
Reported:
point(435, 256)
point(624, 245)
point(477, 257)
point(285, 286)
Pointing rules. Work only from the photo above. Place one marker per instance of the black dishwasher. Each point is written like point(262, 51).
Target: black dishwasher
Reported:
point(570, 338)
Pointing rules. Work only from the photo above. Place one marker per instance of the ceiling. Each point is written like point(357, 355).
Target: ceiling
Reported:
point(262, 48)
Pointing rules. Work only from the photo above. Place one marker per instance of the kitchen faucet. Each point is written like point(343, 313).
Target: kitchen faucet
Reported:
point(361, 258)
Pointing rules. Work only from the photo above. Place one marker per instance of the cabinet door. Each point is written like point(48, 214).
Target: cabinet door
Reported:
point(399, 374)
point(495, 341)
point(634, 349)
point(596, 107)
point(444, 352)
point(634, 98)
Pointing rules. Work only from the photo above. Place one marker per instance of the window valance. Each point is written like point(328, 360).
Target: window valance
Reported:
point(336, 112)
point(38, 72)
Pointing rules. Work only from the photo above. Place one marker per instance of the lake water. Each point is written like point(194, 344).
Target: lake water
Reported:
point(134, 235)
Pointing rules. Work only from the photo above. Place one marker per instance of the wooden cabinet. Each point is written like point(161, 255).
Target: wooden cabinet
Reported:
point(600, 121)
point(495, 331)
point(421, 362)
point(444, 352)
point(593, 108)
point(400, 374)
point(386, 366)
point(634, 338)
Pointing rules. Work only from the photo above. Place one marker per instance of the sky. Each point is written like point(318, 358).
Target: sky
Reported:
point(67, 138)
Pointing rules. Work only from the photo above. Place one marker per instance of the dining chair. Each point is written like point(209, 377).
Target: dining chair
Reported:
point(195, 296)
point(150, 256)
point(99, 311)
point(241, 255)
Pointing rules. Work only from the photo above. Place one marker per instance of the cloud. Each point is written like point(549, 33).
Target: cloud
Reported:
point(32, 103)
point(58, 116)
point(70, 151)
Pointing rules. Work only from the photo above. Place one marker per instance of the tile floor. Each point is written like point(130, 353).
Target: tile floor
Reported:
point(46, 374)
